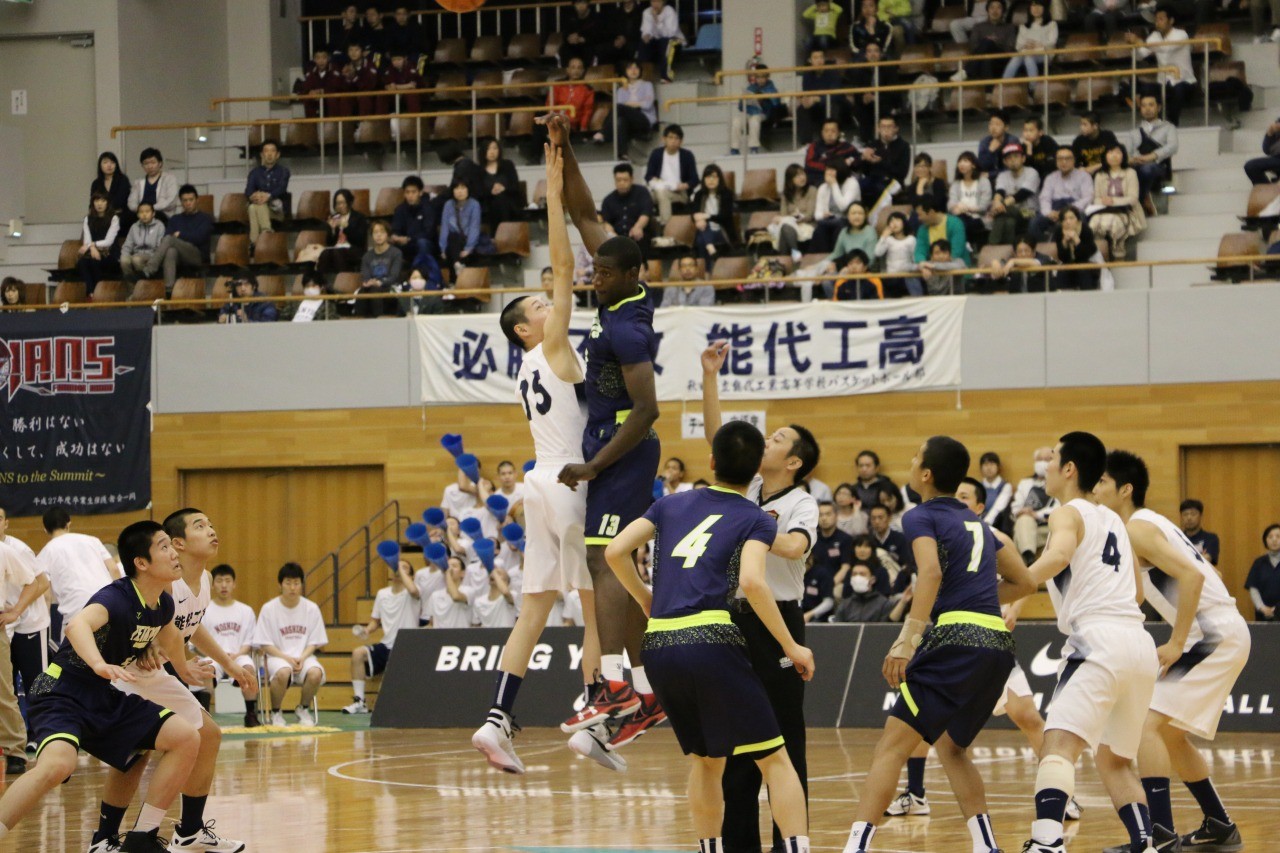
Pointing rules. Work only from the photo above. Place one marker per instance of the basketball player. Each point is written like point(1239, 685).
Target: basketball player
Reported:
point(196, 543)
point(555, 557)
point(790, 455)
point(394, 607)
point(29, 648)
point(231, 622)
point(1109, 670)
point(619, 445)
point(73, 706)
point(710, 541)
point(1207, 650)
point(952, 674)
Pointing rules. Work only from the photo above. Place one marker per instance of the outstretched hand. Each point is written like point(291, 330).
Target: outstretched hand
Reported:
point(557, 126)
point(714, 355)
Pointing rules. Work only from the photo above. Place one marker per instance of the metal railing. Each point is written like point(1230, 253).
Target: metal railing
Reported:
point(353, 560)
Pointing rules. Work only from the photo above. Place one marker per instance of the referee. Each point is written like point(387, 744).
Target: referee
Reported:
point(790, 455)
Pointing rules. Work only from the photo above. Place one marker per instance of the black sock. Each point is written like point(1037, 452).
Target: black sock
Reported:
point(192, 814)
point(915, 776)
point(251, 706)
point(505, 687)
point(1137, 819)
point(109, 820)
point(1159, 802)
point(1208, 799)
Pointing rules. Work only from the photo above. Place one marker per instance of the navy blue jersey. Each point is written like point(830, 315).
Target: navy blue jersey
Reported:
point(622, 334)
point(131, 626)
point(698, 548)
point(966, 550)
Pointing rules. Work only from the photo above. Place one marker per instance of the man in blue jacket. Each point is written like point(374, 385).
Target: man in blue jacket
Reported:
point(186, 240)
point(672, 172)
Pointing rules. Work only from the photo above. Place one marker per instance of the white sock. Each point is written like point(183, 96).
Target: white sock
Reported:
point(148, 818)
point(640, 681)
point(1046, 831)
point(796, 844)
point(358, 687)
point(984, 839)
point(860, 837)
point(710, 845)
point(611, 667)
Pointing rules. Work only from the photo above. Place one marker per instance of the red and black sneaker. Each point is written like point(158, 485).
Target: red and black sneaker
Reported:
point(614, 699)
point(649, 715)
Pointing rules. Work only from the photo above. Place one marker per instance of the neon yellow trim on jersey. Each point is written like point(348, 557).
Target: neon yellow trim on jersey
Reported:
point(67, 736)
point(759, 747)
point(967, 617)
point(639, 295)
point(137, 591)
point(620, 418)
point(725, 490)
point(911, 702)
point(54, 670)
point(165, 712)
point(693, 620)
point(599, 540)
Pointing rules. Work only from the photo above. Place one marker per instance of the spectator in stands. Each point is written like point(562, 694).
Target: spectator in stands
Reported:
point(750, 114)
point(637, 106)
point(459, 226)
point(141, 243)
point(12, 293)
point(1190, 512)
point(659, 33)
point(868, 28)
point(793, 225)
point(935, 270)
point(935, 225)
point(360, 75)
point(891, 499)
point(1266, 169)
point(1017, 197)
point(994, 35)
point(858, 234)
point(832, 555)
point(849, 515)
point(464, 169)
point(313, 307)
point(923, 185)
point(405, 34)
point(811, 110)
point(1039, 33)
point(114, 183)
point(1106, 15)
point(246, 287)
point(421, 293)
point(864, 603)
point(621, 36)
point(1151, 145)
point(870, 480)
point(885, 162)
point(1263, 581)
point(709, 238)
point(999, 490)
point(1092, 143)
point(970, 199)
point(1168, 43)
point(1076, 246)
point(851, 285)
point(572, 92)
point(375, 34)
point(380, 269)
point(400, 76)
point(899, 14)
point(1041, 148)
point(863, 106)
point(717, 201)
point(671, 173)
point(838, 190)
point(991, 147)
point(500, 202)
point(1017, 274)
point(884, 569)
point(321, 78)
point(690, 293)
point(829, 147)
point(897, 249)
point(186, 242)
point(449, 606)
point(962, 28)
point(582, 31)
point(825, 18)
point(819, 600)
point(628, 210)
point(412, 224)
point(1031, 507)
point(158, 186)
point(1116, 191)
point(350, 30)
point(893, 542)
point(267, 189)
point(98, 247)
point(1067, 187)
point(348, 236)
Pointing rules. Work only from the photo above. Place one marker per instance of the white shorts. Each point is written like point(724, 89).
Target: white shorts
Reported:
point(1017, 685)
point(167, 692)
point(240, 660)
point(274, 665)
point(555, 545)
point(1194, 691)
point(1104, 687)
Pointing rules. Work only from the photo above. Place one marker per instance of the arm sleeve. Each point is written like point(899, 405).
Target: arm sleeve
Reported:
point(471, 221)
point(922, 244)
point(135, 195)
point(263, 635)
point(916, 524)
point(804, 519)
point(632, 343)
point(130, 242)
point(316, 634)
point(166, 191)
point(827, 604)
point(107, 241)
point(1256, 597)
point(764, 530)
point(284, 182)
point(85, 237)
point(377, 606)
point(248, 629)
point(1213, 547)
point(251, 184)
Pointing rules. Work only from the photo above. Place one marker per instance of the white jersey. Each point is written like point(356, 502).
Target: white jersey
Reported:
point(447, 613)
point(76, 565)
point(188, 606)
point(795, 511)
point(36, 617)
point(1099, 582)
point(455, 502)
point(1216, 604)
point(493, 612)
point(556, 412)
point(231, 625)
point(16, 571)
point(428, 580)
point(290, 629)
point(394, 610)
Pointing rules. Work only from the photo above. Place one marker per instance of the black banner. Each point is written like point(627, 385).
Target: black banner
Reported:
point(444, 678)
point(75, 425)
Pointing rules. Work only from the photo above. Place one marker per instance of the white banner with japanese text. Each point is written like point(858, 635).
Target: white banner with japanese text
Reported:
point(814, 349)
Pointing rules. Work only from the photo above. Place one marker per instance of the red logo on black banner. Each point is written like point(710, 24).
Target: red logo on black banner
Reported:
point(60, 365)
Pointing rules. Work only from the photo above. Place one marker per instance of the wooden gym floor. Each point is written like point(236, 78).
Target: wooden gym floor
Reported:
point(395, 791)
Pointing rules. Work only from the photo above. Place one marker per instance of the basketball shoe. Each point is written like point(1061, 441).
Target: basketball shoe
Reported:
point(614, 699)
point(144, 842)
point(494, 740)
point(1033, 846)
point(649, 715)
point(106, 845)
point(593, 743)
point(907, 804)
point(1162, 841)
point(1214, 837)
point(1074, 810)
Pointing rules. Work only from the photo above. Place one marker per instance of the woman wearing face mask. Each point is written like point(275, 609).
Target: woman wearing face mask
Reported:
point(421, 293)
point(313, 307)
point(883, 567)
point(1263, 582)
point(864, 603)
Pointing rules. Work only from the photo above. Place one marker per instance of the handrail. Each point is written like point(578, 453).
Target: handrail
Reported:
point(331, 558)
point(306, 19)
point(1215, 41)
point(386, 93)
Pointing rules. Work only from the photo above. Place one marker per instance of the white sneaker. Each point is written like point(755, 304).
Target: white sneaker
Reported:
point(494, 741)
point(107, 845)
point(1033, 846)
point(907, 804)
point(205, 840)
point(277, 719)
point(356, 707)
point(304, 716)
point(1074, 809)
point(590, 743)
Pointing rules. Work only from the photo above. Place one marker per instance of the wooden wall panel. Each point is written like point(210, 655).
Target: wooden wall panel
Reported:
point(1154, 421)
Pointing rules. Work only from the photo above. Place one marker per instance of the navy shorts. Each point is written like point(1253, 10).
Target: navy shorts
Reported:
point(89, 713)
point(713, 698)
point(622, 492)
point(954, 682)
point(379, 654)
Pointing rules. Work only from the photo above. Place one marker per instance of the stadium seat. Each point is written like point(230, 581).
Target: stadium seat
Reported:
point(486, 125)
point(940, 171)
point(680, 229)
point(487, 49)
point(1058, 93)
point(219, 289)
point(551, 48)
point(308, 238)
point(147, 290)
point(532, 93)
point(204, 204)
point(1233, 246)
point(600, 72)
point(488, 84)
point(301, 135)
point(361, 202)
point(945, 15)
point(109, 291)
point(69, 292)
point(951, 57)
point(451, 51)
point(271, 249)
point(731, 268)
point(232, 250)
point(373, 132)
point(406, 129)
point(924, 60)
point(234, 207)
point(969, 99)
point(759, 189)
point(1011, 97)
point(452, 127)
point(271, 285)
point(525, 47)
point(69, 254)
point(188, 288)
point(758, 221)
point(34, 294)
point(521, 126)
point(1089, 91)
point(313, 207)
point(990, 254)
point(1218, 29)
point(346, 282)
point(388, 199)
point(1077, 40)
point(512, 241)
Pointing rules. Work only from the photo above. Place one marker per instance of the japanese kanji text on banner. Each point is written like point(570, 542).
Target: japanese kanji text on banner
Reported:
point(816, 349)
point(75, 424)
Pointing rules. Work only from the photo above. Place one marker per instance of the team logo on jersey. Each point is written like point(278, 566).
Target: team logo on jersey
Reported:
point(60, 365)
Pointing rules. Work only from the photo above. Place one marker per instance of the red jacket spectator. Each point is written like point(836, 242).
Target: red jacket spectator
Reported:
point(581, 96)
point(322, 77)
point(400, 73)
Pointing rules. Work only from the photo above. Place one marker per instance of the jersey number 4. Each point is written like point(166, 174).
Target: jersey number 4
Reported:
point(694, 545)
point(543, 401)
point(1111, 552)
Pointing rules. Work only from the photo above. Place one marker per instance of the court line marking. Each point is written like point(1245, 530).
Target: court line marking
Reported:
point(848, 680)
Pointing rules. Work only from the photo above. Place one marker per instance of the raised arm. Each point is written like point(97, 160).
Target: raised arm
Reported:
point(712, 360)
point(555, 343)
point(577, 195)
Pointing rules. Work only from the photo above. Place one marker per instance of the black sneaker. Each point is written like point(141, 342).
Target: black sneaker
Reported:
point(15, 765)
point(1162, 841)
point(144, 842)
point(251, 720)
point(1214, 837)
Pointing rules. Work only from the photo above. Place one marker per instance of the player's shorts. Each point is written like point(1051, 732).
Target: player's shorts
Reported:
point(1193, 692)
point(167, 691)
point(701, 674)
point(274, 665)
point(622, 492)
point(1105, 682)
point(376, 662)
point(1016, 684)
point(240, 660)
point(85, 711)
point(555, 551)
point(956, 677)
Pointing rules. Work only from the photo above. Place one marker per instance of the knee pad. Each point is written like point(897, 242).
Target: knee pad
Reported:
point(1056, 772)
